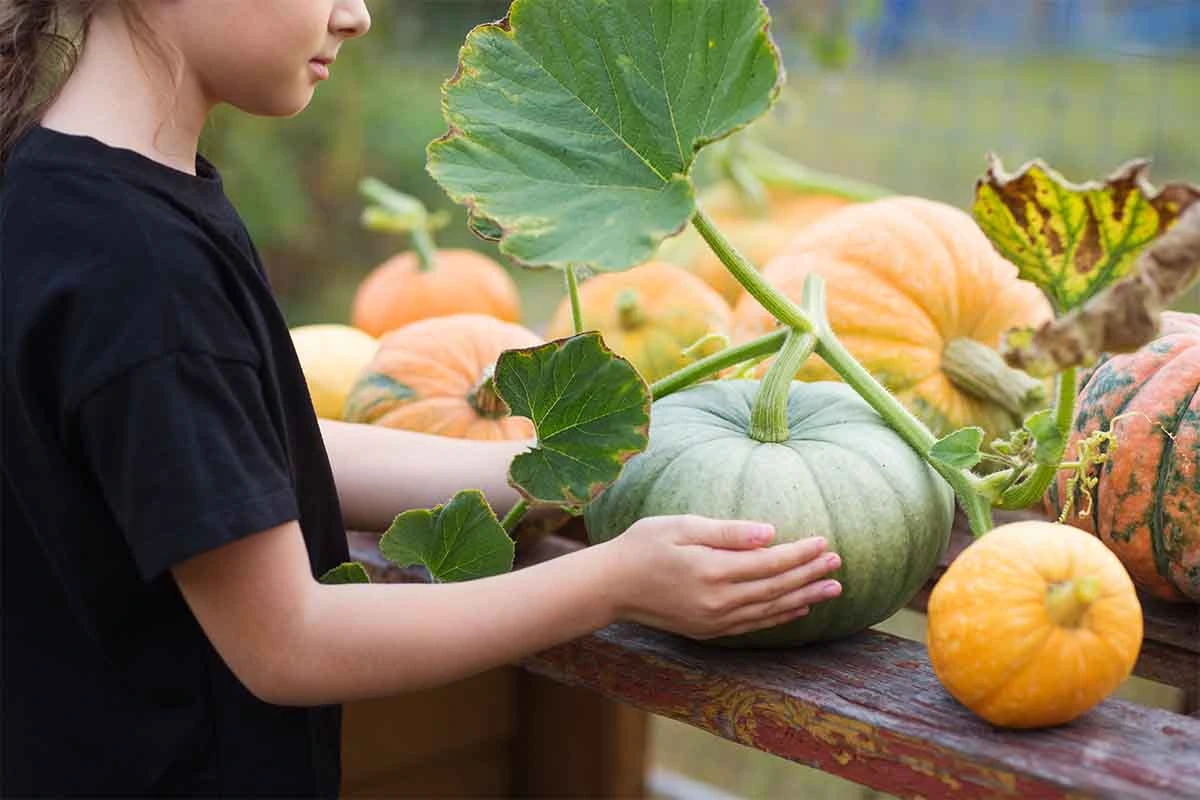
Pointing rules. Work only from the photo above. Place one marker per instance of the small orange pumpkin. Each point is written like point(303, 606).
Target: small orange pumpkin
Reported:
point(1033, 624)
point(919, 296)
point(434, 376)
point(649, 314)
point(759, 235)
point(400, 290)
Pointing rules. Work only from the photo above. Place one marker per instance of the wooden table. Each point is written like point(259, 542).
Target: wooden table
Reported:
point(867, 708)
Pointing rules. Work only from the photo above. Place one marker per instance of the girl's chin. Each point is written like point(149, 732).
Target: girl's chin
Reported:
point(282, 104)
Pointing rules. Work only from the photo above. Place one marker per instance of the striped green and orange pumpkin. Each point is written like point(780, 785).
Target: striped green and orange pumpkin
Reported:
point(1146, 503)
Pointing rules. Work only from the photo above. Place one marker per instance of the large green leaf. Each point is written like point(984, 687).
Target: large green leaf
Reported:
point(574, 123)
point(458, 541)
point(1074, 240)
point(591, 412)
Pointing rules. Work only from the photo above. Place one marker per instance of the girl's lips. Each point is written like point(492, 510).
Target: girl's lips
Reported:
point(320, 69)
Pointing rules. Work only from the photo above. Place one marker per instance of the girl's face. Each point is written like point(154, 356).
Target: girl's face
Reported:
point(262, 56)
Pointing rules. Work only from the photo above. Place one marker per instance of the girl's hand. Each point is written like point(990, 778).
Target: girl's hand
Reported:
point(704, 578)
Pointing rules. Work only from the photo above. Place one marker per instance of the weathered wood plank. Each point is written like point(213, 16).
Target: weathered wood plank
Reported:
point(869, 709)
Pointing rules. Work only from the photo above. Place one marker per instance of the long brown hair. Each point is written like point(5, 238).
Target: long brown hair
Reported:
point(40, 41)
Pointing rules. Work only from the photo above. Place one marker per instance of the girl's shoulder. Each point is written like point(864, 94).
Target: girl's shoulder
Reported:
point(120, 269)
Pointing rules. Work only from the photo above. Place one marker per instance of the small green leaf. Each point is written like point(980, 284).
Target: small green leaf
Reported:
point(960, 449)
point(573, 124)
point(459, 541)
point(590, 409)
point(1074, 240)
point(1050, 442)
point(349, 572)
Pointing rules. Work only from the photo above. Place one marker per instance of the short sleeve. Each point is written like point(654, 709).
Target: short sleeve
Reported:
point(187, 456)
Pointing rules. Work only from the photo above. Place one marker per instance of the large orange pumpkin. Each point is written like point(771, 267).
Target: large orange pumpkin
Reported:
point(400, 291)
point(1146, 503)
point(919, 296)
point(649, 314)
point(1033, 624)
point(758, 234)
point(434, 376)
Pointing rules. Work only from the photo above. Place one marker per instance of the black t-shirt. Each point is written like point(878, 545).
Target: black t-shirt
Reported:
point(153, 409)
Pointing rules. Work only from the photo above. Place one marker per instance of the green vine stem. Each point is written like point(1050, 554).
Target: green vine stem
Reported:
point(779, 305)
point(769, 416)
point(776, 169)
point(1033, 487)
point(573, 293)
point(704, 341)
point(976, 506)
point(514, 516)
point(711, 365)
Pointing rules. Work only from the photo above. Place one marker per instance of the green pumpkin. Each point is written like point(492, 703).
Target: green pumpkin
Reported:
point(842, 474)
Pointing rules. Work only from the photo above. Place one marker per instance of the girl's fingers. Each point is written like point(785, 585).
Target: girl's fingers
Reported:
point(770, 561)
point(776, 586)
point(767, 622)
point(789, 603)
point(724, 534)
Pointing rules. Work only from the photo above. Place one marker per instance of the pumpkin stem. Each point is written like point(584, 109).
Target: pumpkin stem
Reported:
point(629, 309)
point(1068, 601)
point(769, 417)
point(425, 249)
point(484, 399)
point(981, 372)
point(397, 212)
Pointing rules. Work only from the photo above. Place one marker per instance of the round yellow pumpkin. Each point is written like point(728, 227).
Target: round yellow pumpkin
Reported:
point(434, 376)
point(919, 296)
point(331, 357)
point(1033, 624)
point(758, 234)
point(650, 315)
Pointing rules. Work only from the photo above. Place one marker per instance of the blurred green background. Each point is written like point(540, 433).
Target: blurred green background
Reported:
point(911, 94)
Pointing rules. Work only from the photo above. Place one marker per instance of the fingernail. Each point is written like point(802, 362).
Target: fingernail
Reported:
point(831, 589)
point(762, 533)
point(801, 611)
point(833, 560)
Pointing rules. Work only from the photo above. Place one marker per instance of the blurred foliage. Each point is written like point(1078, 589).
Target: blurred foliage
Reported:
point(921, 122)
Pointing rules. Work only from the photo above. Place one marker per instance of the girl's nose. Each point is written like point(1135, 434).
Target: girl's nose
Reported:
point(350, 19)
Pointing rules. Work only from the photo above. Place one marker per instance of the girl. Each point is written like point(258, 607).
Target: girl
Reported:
point(169, 494)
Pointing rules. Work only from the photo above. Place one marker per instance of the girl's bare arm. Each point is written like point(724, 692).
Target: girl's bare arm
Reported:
point(380, 472)
point(293, 641)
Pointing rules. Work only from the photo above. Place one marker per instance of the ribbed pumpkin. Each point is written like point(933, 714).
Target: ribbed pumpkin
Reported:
point(1146, 503)
point(1033, 624)
point(434, 376)
point(331, 357)
point(400, 291)
point(920, 297)
point(649, 314)
point(842, 474)
point(759, 234)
